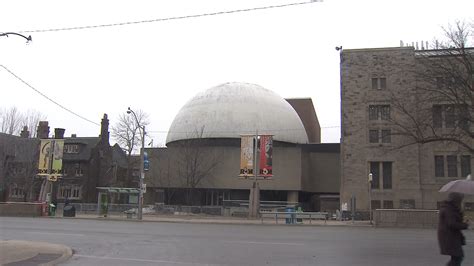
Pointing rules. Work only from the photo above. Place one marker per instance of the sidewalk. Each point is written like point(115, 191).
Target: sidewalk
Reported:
point(16, 252)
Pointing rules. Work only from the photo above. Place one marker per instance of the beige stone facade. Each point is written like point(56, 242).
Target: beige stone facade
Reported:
point(370, 79)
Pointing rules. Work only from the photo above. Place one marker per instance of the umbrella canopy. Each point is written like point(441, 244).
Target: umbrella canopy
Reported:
point(465, 186)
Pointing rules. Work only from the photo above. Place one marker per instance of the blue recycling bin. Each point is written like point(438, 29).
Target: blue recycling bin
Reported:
point(290, 215)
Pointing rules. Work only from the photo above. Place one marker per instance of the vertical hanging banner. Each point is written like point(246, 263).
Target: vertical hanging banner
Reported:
point(57, 165)
point(246, 156)
point(51, 157)
point(266, 156)
point(45, 157)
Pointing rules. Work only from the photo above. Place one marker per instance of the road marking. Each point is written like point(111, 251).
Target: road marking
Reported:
point(139, 260)
point(62, 234)
point(265, 243)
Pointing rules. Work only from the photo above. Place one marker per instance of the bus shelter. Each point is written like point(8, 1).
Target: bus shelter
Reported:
point(103, 200)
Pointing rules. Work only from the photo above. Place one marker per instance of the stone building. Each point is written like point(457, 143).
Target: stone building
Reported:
point(387, 110)
point(88, 162)
point(207, 131)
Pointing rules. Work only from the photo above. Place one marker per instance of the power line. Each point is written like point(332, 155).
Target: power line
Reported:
point(169, 18)
point(48, 98)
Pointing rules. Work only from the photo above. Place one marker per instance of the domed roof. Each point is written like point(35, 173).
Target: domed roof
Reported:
point(233, 109)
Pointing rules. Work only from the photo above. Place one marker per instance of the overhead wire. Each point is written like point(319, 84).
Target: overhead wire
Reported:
point(48, 98)
point(168, 18)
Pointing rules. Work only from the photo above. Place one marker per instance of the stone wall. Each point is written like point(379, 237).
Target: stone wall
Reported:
point(406, 218)
point(20, 209)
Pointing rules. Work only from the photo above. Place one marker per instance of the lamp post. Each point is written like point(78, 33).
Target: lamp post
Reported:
point(28, 39)
point(142, 161)
point(370, 197)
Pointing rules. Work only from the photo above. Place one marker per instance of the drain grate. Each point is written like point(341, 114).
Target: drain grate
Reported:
point(36, 260)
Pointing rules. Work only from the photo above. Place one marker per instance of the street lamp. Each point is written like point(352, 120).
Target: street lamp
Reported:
point(28, 39)
point(142, 161)
point(370, 197)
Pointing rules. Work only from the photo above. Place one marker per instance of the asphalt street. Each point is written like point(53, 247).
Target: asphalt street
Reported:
point(102, 242)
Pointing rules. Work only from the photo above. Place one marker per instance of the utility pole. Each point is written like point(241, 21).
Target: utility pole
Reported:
point(142, 162)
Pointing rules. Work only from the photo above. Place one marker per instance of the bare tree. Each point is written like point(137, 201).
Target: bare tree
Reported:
point(440, 108)
point(195, 160)
point(127, 133)
point(31, 120)
point(13, 120)
point(10, 121)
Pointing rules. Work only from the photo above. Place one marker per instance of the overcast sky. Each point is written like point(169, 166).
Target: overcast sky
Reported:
point(158, 66)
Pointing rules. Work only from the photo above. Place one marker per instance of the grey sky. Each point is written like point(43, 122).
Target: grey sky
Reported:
point(158, 66)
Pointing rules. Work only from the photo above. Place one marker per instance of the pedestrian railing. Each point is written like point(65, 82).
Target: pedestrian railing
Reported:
point(294, 217)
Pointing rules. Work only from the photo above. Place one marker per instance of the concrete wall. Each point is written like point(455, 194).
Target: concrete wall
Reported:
point(406, 218)
point(22, 209)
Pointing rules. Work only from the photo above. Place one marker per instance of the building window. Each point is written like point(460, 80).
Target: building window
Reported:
point(388, 204)
point(69, 191)
point(439, 166)
point(386, 136)
point(407, 204)
point(450, 116)
point(373, 136)
point(71, 148)
point(387, 175)
point(374, 170)
point(452, 164)
point(379, 83)
point(379, 112)
point(78, 170)
point(465, 165)
point(375, 204)
point(452, 161)
point(386, 169)
point(16, 192)
point(380, 136)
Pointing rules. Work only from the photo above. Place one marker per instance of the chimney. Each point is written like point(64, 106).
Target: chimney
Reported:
point(42, 131)
point(25, 133)
point(59, 133)
point(73, 136)
point(104, 130)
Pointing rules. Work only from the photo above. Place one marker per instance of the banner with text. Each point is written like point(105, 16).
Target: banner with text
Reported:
point(51, 157)
point(246, 156)
point(266, 154)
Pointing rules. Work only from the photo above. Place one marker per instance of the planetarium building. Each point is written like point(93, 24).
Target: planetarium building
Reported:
point(200, 164)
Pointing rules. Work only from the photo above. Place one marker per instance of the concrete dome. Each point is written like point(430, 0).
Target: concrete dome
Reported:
point(233, 109)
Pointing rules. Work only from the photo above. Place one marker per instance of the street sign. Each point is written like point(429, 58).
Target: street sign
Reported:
point(144, 188)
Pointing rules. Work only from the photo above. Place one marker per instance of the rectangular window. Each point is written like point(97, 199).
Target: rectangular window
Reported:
point(71, 148)
point(373, 136)
point(388, 204)
point(437, 116)
point(379, 112)
point(463, 117)
point(375, 204)
point(379, 83)
point(452, 162)
point(373, 112)
point(387, 175)
point(465, 165)
point(469, 206)
point(78, 170)
point(439, 166)
point(385, 112)
point(450, 116)
point(407, 204)
point(374, 170)
point(386, 136)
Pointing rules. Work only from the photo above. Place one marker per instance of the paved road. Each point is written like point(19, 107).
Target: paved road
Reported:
point(115, 243)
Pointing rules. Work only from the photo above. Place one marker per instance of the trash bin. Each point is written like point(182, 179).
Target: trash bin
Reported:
point(52, 210)
point(69, 211)
point(290, 215)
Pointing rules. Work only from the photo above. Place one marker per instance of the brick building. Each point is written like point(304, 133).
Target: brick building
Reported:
point(384, 93)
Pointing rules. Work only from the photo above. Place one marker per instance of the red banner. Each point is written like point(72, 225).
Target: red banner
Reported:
point(266, 154)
